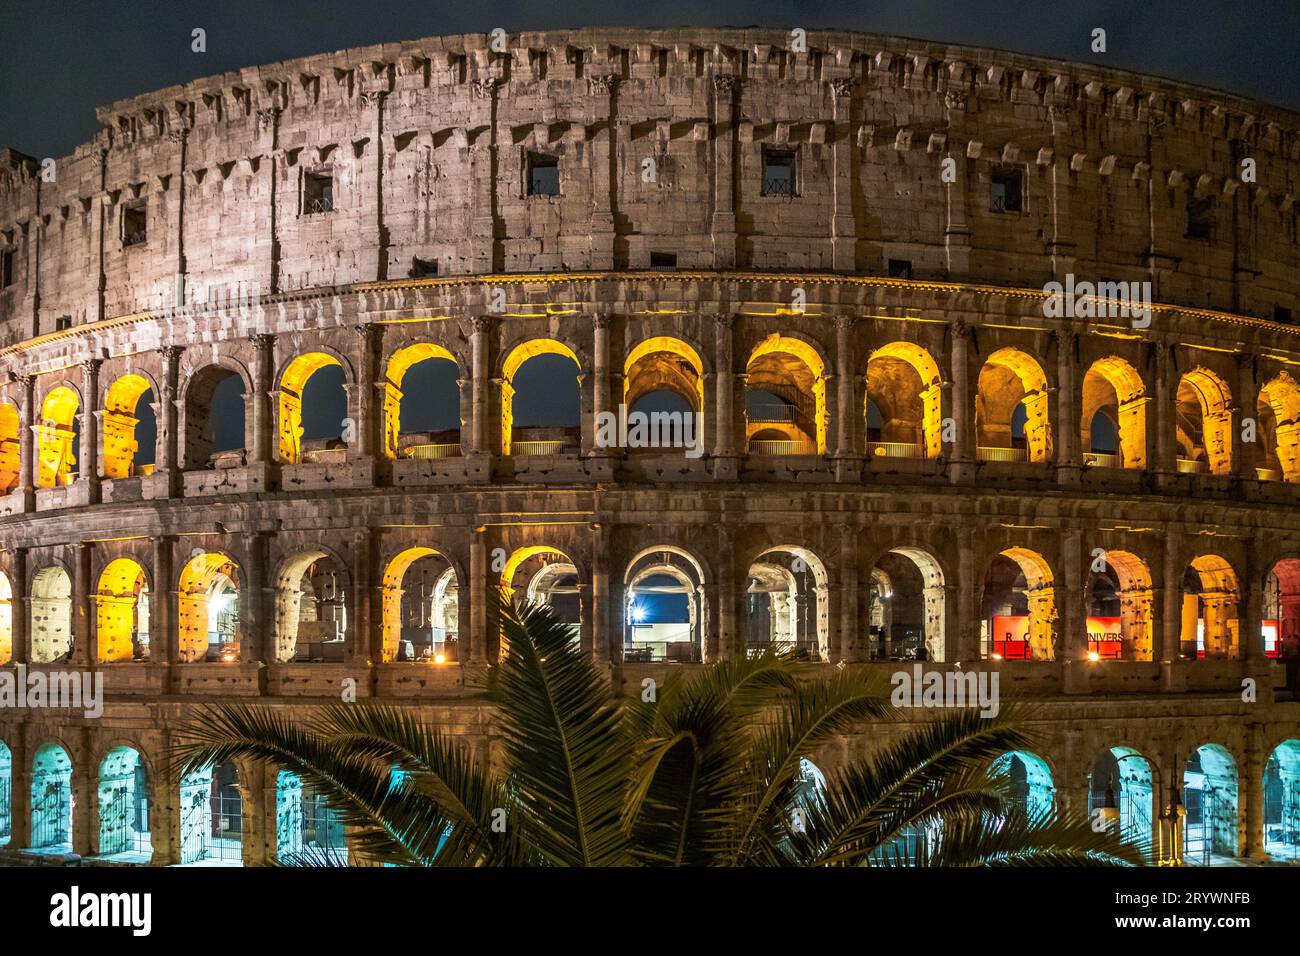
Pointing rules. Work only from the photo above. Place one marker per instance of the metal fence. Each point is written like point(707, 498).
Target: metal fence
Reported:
point(123, 822)
point(51, 813)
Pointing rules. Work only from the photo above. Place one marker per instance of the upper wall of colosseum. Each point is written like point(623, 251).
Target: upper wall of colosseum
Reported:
point(406, 159)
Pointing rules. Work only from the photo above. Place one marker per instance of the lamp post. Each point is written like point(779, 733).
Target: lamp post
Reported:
point(1169, 833)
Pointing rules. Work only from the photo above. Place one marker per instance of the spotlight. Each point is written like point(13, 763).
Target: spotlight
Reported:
point(440, 658)
point(1094, 656)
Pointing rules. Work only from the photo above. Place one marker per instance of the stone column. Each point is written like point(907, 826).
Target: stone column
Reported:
point(262, 415)
point(1168, 635)
point(162, 600)
point(849, 450)
point(1164, 452)
point(83, 650)
point(844, 231)
point(20, 787)
point(962, 467)
point(257, 640)
point(956, 229)
point(1067, 425)
point(1245, 455)
point(84, 795)
point(1072, 593)
point(478, 590)
point(1251, 628)
point(28, 463)
point(849, 644)
point(963, 646)
point(600, 385)
point(609, 131)
point(371, 337)
point(166, 482)
point(1252, 793)
point(728, 636)
point(726, 91)
point(361, 650)
point(725, 465)
point(602, 636)
point(88, 466)
point(480, 448)
point(18, 603)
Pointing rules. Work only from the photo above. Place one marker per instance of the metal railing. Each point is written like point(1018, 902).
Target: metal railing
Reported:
point(771, 412)
point(894, 449)
point(1187, 466)
point(991, 453)
point(536, 447)
point(1097, 459)
point(135, 238)
point(433, 452)
point(313, 206)
point(1268, 474)
point(764, 447)
point(324, 456)
point(779, 186)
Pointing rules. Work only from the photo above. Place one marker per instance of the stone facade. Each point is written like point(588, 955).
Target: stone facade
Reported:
point(731, 218)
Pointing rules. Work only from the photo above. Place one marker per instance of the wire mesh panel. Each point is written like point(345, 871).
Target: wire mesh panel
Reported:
point(123, 821)
point(306, 828)
point(51, 812)
point(6, 806)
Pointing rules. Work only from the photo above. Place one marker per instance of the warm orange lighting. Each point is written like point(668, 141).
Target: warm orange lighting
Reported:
point(1094, 656)
point(228, 657)
point(440, 658)
point(995, 657)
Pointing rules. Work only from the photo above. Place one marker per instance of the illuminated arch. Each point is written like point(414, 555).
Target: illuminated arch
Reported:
point(123, 793)
point(520, 354)
point(51, 615)
point(121, 616)
point(54, 437)
point(1030, 780)
point(777, 344)
point(399, 364)
point(784, 625)
point(394, 587)
point(1120, 787)
point(911, 411)
point(6, 620)
point(1011, 379)
point(10, 443)
point(1133, 591)
point(1114, 382)
point(1040, 596)
point(292, 383)
point(51, 796)
point(198, 430)
point(1210, 794)
point(1279, 426)
point(325, 612)
point(1281, 786)
point(639, 379)
point(919, 568)
point(1204, 421)
point(1214, 607)
point(516, 561)
point(119, 420)
point(207, 577)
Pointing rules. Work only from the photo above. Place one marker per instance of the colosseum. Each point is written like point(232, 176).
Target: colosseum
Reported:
point(305, 359)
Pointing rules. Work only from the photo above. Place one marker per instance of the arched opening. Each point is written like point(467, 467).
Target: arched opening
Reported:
point(307, 831)
point(52, 800)
point(541, 401)
point(310, 608)
point(906, 607)
point(785, 396)
point(1282, 802)
point(1278, 430)
point(420, 608)
point(1018, 610)
point(124, 806)
point(122, 612)
point(58, 437)
point(1210, 796)
point(212, 817)
point(1281, 605)
point(1120, 786)
point(1113, 426)
point(787, 606)
point(542, 574)
point(6, 794)
point(6, 620)
point(10, 443)
point(809, 793)
point(130, 428)
point(51, 615)
point(208, 609)
point(665, 607)
point(1011, 420)
point(664, 377)
point(1030, 780)
point(1120, 609)
point(1209, 610)
point(214, 419)
point(904, 403)
point(313, 410)
point(422, 403)
point(1204, 423)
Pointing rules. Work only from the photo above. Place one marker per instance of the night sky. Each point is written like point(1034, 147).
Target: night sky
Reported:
point(60, 60)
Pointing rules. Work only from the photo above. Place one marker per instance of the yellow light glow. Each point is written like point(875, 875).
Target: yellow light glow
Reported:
point(1094, 656)
point(440, 658)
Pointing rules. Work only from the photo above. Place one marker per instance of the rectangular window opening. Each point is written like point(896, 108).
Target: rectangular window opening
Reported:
point(778, 172)
point(543, 174)
point(1200, 218)
point(7, 259)
point(134, 225)
point(317, 193)
point(423, 268)
point(1007, 190)
point(900, 268)
point(663, 261)
point(63, 323)
point(1282, 314)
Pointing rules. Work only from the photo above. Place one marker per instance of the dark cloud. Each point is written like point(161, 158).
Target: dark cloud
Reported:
point(58, 61)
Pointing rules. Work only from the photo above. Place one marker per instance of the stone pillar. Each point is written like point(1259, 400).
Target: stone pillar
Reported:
point(1072, 595)
point(1245, 455)
point(28, 463)
point(725, 465)
point(602, 635)
point(604, 151)
point(600, 385)
point(962, 467)
point(1164, 452)
point(257, 639)
point(84, 794)
point(260, 400)
point(1168, 633)
point(726, 91)
point(480, 448)
point(88, 466)
point(162, 601)
point(1250, 790)
point(963, 646)
point(1251, 627)
point(729, 636)
point(18, 603)
point(849, 424)
point(368, 376)
point(1067, 425)
point(20, 787)
point(83, 650)
point(844, 231)
point(478, 590)
point(167, 469)
point(850, 643)
point(361, 650)
point(957, 230)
